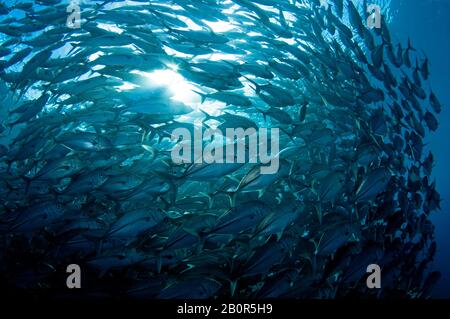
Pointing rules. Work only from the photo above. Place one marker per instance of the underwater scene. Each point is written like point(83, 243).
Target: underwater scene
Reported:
point(224, 149)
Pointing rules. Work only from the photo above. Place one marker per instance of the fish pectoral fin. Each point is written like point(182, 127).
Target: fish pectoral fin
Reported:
point(233, 285)
point(261, 192)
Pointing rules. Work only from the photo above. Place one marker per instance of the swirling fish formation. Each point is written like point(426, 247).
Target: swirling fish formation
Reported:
point(87, 176)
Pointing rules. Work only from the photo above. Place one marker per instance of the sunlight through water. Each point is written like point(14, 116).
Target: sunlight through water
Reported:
point(181, 89)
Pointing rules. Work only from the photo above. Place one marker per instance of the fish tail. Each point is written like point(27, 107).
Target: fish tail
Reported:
point(210, 198)
point(28, 181)
point(74, 47)
point(231, 64)
point(264, 113)
point(287, 133)
point(230, 194)
point(10, 126)
point(207, 116)
point(202, 95)
point(9, 162)
point(169, 29)
point(410, 47)
point(257, 87)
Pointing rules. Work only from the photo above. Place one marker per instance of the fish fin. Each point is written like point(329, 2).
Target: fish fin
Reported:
point(319, 212)
point(232, 198)
point(234, 179)
point(158, 263)
point(233, 285)
point(261, 193)
point(148, 148)
point(279, 235)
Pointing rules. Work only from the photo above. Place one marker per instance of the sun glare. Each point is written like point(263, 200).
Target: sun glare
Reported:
point(181, 89)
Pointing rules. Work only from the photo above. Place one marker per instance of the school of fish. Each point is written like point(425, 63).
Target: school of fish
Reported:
point(86, 175)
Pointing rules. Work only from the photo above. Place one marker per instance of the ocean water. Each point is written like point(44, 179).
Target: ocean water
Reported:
point(140, 255)
point(427, 22)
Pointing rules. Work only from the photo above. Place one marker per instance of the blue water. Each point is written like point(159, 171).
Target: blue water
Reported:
point(427, 23)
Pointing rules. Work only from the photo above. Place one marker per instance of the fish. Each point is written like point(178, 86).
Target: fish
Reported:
point(87, 121)
point(339, 7)
point(199, 172)
point(373, 183)
point(240, 218)
point(431, 121)
point(256, 69)
point(435, 104)
point(105, 264)
point(275, 224)
point(229, 98)
point(424, 69)
point(377, 56)
point(85, 183)
point(278, 284)
point(330, 187)
point(281, 116)
point(267, 256)
point(273, 95)
point(30, 111)
point(333, 239)
point(32, 218)
point(134, 223)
